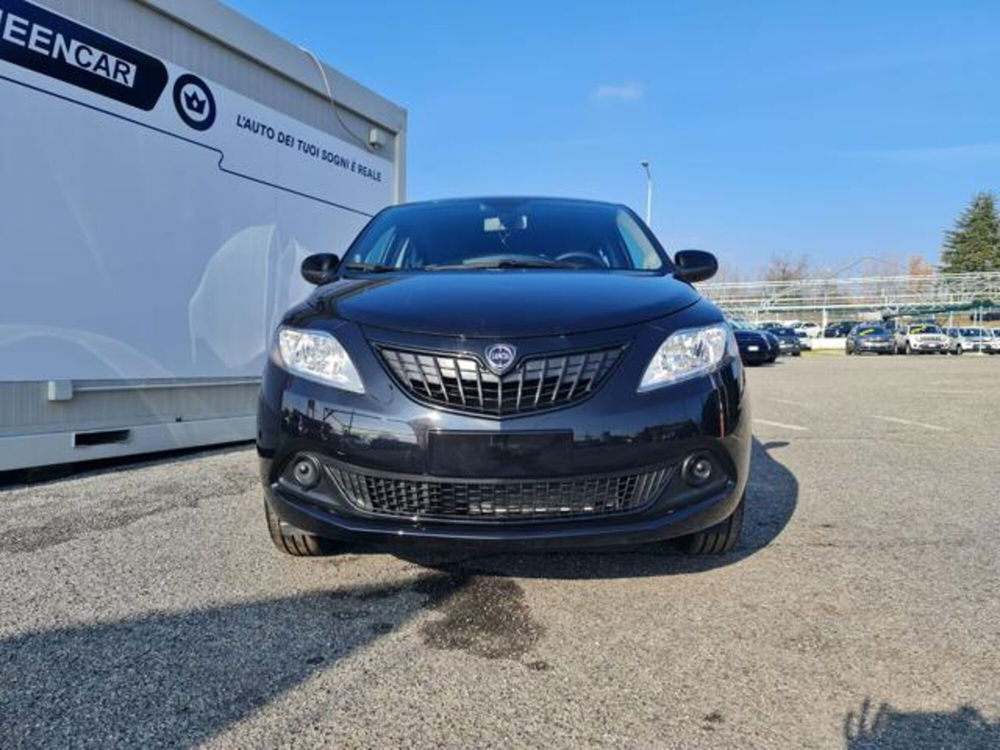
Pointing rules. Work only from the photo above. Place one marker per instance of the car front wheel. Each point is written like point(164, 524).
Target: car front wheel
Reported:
point(718, 539)
point(296, 542)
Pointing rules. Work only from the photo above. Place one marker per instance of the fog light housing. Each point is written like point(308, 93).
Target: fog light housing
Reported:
point(698, 470)
point(305, 471)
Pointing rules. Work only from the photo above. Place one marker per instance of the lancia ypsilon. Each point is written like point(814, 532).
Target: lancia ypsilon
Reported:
point(506, 373)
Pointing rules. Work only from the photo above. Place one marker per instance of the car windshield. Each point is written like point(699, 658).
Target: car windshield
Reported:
point(972, 332)
point(782, 331)
point(871, 331)
point(506, 233)
point(924, 329)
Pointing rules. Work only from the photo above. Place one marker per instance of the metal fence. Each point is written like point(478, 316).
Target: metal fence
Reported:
point(893, 295)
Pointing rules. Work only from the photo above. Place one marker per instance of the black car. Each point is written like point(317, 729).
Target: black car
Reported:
point(839, 330)
point(868, 337)
point(755, 348)
point(506, 373)
point(772, 342)
point(788, 341)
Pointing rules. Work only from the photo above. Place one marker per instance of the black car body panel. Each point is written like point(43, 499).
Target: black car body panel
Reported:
point(491, 304)
point(403, 464)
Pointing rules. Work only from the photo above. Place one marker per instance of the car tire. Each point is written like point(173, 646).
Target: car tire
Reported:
point(718, 539)
point(295, 542)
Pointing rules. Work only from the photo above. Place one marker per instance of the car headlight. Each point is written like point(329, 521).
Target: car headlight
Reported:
point(688, 353)
point(318, 355)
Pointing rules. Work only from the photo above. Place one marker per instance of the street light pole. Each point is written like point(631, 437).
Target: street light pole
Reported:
point(649, 193)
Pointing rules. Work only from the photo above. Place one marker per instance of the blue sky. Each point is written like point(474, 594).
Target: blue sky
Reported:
point(832, 129)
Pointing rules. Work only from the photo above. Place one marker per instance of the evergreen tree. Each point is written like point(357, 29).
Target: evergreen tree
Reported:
point(974, 243)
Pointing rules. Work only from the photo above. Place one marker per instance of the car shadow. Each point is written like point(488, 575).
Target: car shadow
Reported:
point(772, 495)
point(886, 728)
point(178, 679)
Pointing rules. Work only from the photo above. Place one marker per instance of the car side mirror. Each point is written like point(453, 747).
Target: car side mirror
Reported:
point(320, 268)
point(695, 265)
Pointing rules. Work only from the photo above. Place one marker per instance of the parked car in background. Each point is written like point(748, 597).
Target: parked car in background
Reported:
point(804, 343)
point(921, 338)
point(869, 337)
point(810, 329)
point(788, 341)
point(773, 346)
point(769, 325)
point(754, 347)
point(957, 342)
point(954, 340)
point(840, 329)
point(972, 339)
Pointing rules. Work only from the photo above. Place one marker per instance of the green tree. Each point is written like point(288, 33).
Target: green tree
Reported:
point(974, 243)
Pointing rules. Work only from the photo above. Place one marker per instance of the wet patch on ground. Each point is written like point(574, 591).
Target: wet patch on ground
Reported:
point(485, 616)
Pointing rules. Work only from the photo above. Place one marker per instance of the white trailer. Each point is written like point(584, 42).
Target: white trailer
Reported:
point(164, 167)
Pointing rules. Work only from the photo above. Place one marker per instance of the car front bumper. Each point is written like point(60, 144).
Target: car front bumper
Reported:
point(875, 346)
point(755, 354)
point(391, 443)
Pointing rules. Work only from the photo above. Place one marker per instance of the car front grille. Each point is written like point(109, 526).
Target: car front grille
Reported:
point(493, 500)
point(462, 383)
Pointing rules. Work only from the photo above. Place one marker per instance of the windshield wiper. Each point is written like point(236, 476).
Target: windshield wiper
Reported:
point(502, 263)
point(369, 267)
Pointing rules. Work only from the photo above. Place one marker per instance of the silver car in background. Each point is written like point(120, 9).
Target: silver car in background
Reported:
point(972, 339)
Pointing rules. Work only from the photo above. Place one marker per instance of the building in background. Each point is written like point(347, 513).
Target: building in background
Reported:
point(166, 166)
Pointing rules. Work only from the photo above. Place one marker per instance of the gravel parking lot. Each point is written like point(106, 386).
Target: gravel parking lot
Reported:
point(145, 606)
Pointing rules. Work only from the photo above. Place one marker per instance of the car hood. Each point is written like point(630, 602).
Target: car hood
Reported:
point(505, 303)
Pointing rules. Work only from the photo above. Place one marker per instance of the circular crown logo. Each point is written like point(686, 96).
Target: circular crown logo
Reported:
point(194, 102)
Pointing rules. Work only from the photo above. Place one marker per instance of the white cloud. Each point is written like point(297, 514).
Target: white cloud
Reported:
point(629, 91)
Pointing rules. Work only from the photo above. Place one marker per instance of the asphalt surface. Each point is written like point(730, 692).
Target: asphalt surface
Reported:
point(145, 606)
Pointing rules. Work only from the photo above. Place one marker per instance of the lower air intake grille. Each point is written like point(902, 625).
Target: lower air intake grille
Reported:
point(499, 500)
point(462, 383)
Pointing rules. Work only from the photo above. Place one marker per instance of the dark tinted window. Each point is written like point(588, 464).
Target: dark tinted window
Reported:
point(589, 235)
